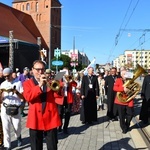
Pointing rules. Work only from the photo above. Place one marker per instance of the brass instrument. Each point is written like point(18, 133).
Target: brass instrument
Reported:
point(54, 85)
point(133, 87)
point(6, 90)
point(69, 78)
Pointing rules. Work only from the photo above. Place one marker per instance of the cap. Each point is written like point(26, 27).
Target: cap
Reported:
point(7, 71)
point(26, 68)
point(48, 71)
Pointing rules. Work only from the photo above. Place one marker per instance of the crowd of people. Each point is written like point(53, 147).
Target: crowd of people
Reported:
point(51, 103)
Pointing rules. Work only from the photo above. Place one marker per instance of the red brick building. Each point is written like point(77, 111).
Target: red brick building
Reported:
point(47, 17)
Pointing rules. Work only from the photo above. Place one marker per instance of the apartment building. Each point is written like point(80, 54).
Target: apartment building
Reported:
point(132, 58)
point(47, 17)
point(77, 56)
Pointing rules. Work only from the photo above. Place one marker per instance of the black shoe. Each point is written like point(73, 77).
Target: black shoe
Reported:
point(114, 119)
point(19, 140)
point(124, 131)
point(83, 122)
point(90, 122)
point(6, 148)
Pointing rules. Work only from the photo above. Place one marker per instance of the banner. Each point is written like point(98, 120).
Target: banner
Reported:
point(92, 64)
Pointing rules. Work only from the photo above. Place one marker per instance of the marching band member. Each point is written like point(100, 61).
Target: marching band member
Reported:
point(65, 104)
point(125, 110)
point(43, 117)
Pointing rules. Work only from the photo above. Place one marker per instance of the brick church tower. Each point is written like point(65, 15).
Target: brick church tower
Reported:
point(47, 17)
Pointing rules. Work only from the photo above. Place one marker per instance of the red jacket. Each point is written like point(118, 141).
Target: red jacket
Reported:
point(118, 87)
point(36, 119)
point(60, 100)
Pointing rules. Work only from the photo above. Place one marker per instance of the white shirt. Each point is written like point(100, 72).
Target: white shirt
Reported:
point(10, 98)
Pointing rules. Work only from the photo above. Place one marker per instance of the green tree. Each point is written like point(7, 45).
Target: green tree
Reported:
point(66, 62)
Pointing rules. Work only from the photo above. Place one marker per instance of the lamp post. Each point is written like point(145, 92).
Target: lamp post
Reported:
point(11, 50)
point(50, 35)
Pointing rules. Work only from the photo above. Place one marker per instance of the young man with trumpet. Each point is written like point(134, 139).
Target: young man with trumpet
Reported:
point(10, 97)
point(65, 104)
point(125, 108)
point(43, 117)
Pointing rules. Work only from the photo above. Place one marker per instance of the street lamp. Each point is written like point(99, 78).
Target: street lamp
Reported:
point(50, 35)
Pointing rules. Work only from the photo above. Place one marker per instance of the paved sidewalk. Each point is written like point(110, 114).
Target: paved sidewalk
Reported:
point(102, 135)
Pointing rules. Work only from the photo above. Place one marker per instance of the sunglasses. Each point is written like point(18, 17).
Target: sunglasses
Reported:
point(39, 69)
point(6, 76)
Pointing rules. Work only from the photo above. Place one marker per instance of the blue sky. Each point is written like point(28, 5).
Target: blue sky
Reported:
point(97, 26)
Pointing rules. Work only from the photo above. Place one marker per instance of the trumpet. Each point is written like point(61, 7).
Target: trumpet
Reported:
point(69, 78)
point(13, 90)
point(53, 84)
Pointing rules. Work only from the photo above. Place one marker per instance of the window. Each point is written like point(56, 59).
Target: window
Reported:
point(40, 17)
point(37, 17)
point(36, 7)
point(28, 7)
point(22, 7)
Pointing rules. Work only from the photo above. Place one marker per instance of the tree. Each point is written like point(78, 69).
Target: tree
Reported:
point(66, 62)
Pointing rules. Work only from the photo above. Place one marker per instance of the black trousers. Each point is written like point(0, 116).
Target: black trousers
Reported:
point(65, 111)
point(36, 138)
point(125, 115)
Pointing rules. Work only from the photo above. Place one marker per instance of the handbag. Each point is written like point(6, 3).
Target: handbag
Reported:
point(11, 109)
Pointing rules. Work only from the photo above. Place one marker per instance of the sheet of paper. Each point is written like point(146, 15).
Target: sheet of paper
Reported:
point(59, 75)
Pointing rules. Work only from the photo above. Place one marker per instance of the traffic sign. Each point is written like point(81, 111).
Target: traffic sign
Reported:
point(57, 63)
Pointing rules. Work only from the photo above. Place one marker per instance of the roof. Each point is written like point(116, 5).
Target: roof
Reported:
point(20, 23)
point(19, 1)
point(15, 1)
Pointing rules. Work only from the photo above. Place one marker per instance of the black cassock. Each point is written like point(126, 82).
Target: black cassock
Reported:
point(111, 94)
point(145, 92)
point(90, 89)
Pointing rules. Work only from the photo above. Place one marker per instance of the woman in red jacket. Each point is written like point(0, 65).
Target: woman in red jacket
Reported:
point(43, 117)
point(125, 109)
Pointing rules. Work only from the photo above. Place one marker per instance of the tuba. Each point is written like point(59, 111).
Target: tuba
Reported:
point(133, 87)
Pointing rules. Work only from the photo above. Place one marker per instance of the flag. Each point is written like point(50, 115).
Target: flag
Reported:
point(92, 64)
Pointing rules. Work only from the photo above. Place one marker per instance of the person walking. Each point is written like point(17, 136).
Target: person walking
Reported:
point(23, 77)
point(145, 95)
point(43, 117)
point(100, 100)
point(109, 83)
point(89, 94)
point(125, 109)
point(65, 104)
point(10, 91)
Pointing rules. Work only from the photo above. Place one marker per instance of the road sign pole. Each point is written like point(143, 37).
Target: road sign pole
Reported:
point(57, 54)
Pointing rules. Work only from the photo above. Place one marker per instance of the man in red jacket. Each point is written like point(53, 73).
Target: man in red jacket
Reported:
point(125, 109)
point(43, 117)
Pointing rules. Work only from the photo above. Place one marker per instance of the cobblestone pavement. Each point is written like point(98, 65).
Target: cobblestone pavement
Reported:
point(101, 135)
